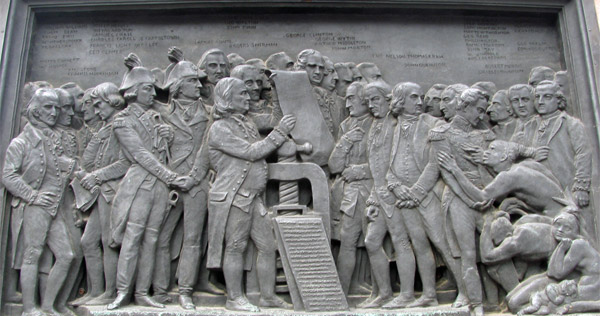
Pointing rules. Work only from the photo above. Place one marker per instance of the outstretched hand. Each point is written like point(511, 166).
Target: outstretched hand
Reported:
point(446, 161)
point(474, 153)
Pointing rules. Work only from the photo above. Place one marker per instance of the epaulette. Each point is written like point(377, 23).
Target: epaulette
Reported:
point(437, 133)
point(119, 121)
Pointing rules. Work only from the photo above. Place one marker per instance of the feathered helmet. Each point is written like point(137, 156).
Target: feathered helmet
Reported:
point(136, 73)
point(180, 68)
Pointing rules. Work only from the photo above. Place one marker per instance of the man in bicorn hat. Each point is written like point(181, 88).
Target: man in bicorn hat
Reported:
point(236, 207)
point(36, 172)
point(140, 205)
point(190, 121)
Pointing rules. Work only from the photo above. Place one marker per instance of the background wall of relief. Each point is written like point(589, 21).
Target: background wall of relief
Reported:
point(427, 48)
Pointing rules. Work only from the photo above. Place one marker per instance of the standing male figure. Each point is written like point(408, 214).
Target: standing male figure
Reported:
point(264, 113)
point(67, 139)
point(464, 220)
point(236, 207)
point(349, 158)
point(312, 62)
point(140, 204)
point(450, 98)
point(521, 98)
point(35, 173)
point(105, 166)
point(216, 65)
point(408, 160)
point(382, 215)
point(433, 98)
point(190, 121)
point(502, 115)
point(569, 157)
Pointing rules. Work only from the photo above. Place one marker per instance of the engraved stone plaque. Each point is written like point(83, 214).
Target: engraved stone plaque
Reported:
point(308, 264)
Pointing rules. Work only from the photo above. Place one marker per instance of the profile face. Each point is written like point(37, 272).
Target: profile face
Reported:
point(217, 67)
point(330, 80)
point(190, 88)
point(88, 110)
point(65, 115)
point(77, 93)
point(495, 154)
point(498, 110)
point(476, 113)
point(355, 104)
point(546, 101)
point(146, 94)
point(240, 101)
point(344, 80)
point(522, 102)
point(433, 98)
point(378, 105)
point(103, 109)
point(253, 82)
point(315, 69)
point(448, 104)
point(48, 111)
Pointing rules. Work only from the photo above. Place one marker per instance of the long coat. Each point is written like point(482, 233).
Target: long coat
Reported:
point(24, 168)
point(187, 140)
point(570, 157)
point(232, 155)
point(141, 145)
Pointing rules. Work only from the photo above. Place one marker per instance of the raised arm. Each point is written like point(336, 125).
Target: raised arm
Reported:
point(222, 138)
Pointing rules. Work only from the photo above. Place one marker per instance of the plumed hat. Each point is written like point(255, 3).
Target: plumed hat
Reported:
point(136, 73)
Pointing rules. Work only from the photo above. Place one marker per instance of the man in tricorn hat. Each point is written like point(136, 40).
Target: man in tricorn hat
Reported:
point(140, 204)
point(190, 121)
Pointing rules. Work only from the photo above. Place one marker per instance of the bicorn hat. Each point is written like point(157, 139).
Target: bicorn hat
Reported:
point(136, 73)
point(183, 69)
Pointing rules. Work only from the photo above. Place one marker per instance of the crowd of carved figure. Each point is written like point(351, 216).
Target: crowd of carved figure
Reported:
point(159, 184)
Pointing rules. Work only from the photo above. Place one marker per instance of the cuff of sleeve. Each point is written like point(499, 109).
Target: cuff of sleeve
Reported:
point(418, 193)
point(277, 137)
point(169, 177)
point(32, 196)
point(581, 185)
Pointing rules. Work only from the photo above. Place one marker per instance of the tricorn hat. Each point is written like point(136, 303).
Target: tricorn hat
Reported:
point(183, 69)
point(136, 73)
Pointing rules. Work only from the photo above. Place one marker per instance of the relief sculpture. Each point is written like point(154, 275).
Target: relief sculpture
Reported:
point(188, 187)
